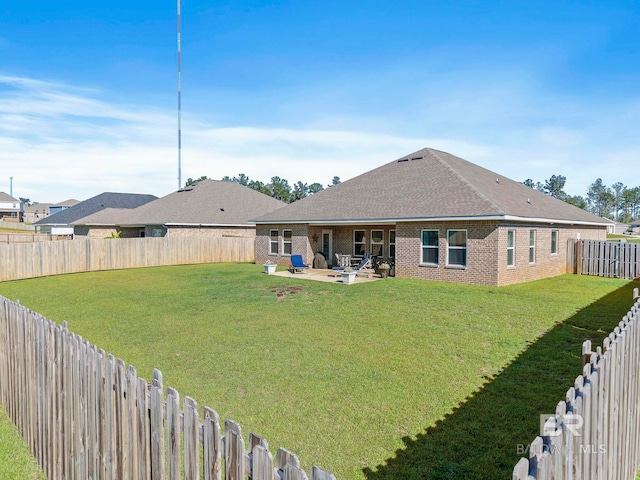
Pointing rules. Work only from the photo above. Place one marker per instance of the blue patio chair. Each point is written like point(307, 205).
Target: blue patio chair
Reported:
point(297, 265)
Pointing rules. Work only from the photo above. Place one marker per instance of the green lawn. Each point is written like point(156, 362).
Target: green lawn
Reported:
point(391, 379)
point(16, 461)
point(626, 237)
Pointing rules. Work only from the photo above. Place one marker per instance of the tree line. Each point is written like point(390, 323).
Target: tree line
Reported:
point(278, 188)
point(617, 202)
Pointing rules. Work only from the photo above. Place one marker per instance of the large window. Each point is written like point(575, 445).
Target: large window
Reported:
point(392, 244)
point(359, 243)
point(457, 248)
point(377, 245)
point(430, 247)
point(511, 248)
point(273, 242)
point(532, 246)
point(286, 241)
point(554, 242)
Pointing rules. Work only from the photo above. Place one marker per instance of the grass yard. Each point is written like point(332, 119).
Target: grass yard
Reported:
point(16, 461)
point(393, 379)
point(613, 237)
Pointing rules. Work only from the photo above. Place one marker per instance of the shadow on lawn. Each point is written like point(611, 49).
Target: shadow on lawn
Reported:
point(480, 438)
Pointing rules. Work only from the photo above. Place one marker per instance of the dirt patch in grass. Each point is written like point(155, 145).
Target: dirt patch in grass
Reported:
point(282, 292)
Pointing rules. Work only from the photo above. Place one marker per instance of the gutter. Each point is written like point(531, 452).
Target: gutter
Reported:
point(393, 221)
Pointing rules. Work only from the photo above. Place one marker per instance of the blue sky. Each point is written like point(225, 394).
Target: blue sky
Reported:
point(309, 90)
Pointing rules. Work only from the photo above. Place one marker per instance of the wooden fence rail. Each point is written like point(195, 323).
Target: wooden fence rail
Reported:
point(595, 432)
point(31, 260)
point(86, 415)
point(604, 259)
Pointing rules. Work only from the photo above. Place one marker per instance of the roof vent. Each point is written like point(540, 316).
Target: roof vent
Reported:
point(222, 209)
point(417, 158)
point(403, 160)
point(497, 180)
point(528, 200)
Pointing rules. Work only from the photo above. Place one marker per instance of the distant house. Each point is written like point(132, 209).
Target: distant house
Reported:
point(212, 208)
point(10, 208)
point(436, 217)
point(38, 211)
point(61, 222)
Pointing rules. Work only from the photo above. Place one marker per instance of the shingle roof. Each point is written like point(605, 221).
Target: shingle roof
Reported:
point(427, 185)
point(95, 204)
point(5, 197)
point(209, 202)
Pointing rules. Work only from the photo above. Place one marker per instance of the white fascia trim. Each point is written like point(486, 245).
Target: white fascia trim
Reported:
point(388, 221)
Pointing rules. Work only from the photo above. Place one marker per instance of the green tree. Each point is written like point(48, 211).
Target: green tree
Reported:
point(190, 181)
point(315, 188)
point(335, 181)
point(26, 201)
point(555, 185)
point(280, 189)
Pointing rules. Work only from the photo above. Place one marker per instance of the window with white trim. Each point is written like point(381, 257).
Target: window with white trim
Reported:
point(287, 236)
point(392, 243)
point(273, 242)
point(377, 243)
point(532, 246)
point(511, 248)
point(457, 248)
point(359, 243)
point(430, 247)
point(554, 241)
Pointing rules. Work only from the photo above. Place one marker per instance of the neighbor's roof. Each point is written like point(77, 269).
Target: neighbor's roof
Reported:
point(428, 185)
point(5, 197)
point(37, 207)
point(208, 203)
point(95, 204)
point(67, 203)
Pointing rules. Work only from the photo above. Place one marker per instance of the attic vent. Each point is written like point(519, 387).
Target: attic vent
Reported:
point(417, 158)
point(403, 160)
point(222, 209)
point(497, 180)
point(528, 200)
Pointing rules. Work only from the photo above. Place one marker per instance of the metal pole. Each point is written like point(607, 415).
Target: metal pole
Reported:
point(179, 98)
point(11, 186)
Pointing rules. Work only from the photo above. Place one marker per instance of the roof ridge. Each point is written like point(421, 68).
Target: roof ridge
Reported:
point(463, 179)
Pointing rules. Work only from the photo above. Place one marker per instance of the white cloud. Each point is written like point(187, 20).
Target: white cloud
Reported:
point(60, 141)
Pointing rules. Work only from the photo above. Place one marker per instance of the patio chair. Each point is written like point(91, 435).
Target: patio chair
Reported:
point(297, 265)
point(364, 267)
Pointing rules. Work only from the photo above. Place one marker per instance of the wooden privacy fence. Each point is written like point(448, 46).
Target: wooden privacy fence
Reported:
point(31, 237)
point(74, 256)
point(604, 259)
point(595, 432)
point(85, 415)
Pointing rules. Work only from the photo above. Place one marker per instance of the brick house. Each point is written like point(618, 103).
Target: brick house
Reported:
point(436, 217)
point(210, 208)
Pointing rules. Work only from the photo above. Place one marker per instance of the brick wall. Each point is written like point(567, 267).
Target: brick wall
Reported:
point(546, 264)
point(300, 244)
point(482, 247)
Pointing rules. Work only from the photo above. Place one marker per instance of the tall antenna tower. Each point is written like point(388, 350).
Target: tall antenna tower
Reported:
point(179, 98)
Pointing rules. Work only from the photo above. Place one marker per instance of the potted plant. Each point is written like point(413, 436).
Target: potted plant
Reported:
point(383, 269)
point(348, 275)
point(269, 267)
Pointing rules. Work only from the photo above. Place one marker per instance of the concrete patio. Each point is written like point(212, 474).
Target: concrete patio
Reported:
point(324, 275)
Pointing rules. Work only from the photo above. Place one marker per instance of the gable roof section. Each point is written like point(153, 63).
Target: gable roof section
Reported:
point(5, 197)
point(429, 185)
point(95, 204)
point(208, 203)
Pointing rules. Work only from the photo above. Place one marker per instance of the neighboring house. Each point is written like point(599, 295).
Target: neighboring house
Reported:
point(35, 212)
point(211, 207)
point(60, 223)
point(59, 207)
point(10, 208)
point(437, 217)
